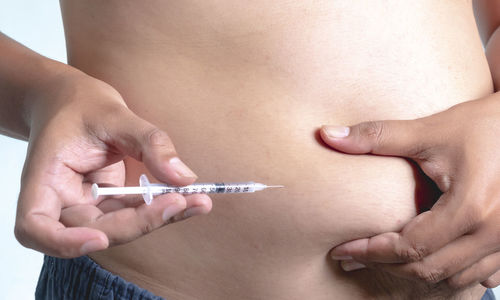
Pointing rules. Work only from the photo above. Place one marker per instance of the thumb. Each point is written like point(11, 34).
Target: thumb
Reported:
point(398, 138)
point(145, 142)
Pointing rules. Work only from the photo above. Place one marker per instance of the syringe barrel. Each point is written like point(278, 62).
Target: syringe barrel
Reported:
point(206, 188)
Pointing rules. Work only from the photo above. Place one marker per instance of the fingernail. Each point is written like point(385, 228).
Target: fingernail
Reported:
point(193, 211)
point(170, 211)
point(91, 246)
point(336, 131)
point(341, 257)
point(181, 169)
point(351, 265)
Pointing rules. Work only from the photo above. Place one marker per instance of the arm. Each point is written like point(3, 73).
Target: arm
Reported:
point(79, 130)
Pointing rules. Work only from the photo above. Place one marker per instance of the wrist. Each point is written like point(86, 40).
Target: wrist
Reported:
point(68, 93)
point(37, 90)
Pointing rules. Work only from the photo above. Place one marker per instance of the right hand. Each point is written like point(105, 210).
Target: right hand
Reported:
point(81, 130)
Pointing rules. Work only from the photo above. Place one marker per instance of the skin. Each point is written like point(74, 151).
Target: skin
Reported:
point(45, 93)
point(455, 149)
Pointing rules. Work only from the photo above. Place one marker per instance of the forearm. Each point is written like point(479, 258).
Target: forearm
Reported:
point(22, 74)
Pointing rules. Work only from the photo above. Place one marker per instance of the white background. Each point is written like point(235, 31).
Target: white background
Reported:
point(38, 25)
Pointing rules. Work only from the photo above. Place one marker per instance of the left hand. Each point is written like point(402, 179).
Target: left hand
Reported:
point(458, 240)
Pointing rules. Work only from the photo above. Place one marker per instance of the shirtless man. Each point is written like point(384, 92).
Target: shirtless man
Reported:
point(241, 89)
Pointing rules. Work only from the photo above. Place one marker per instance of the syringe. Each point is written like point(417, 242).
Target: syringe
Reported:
point(149, 190)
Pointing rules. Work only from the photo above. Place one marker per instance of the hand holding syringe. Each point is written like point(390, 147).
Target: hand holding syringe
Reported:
point(149, 190)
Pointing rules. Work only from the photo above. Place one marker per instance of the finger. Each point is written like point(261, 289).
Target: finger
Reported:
point(484, 271)
point(383, 248)
point(39, 208)
point(126, 224)
point(44, 234)
point(444, 220)
point(197, 204)
point(112, 203)
point(398, 138)
point(447, 261)
point(493, 281)
point(134, 136)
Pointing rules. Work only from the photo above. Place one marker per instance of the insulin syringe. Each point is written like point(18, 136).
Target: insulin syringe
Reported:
point(149, 190)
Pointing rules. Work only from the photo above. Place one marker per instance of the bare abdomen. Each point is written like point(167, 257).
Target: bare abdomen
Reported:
point(242, 98)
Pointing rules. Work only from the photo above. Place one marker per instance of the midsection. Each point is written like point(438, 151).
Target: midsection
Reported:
point(241, 89)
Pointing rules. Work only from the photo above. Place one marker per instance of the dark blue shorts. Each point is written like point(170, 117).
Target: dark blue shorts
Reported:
point(82, 278)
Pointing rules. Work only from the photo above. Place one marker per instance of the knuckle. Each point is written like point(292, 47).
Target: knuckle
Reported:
point(429, 275)
point(157, 137)
point(146, 227)
point(413, 253)
point(373, 130)
point(159, 141)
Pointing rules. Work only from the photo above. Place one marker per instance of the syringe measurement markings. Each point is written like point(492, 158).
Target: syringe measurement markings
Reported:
point(218, 188)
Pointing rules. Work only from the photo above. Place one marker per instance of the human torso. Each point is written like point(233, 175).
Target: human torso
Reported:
point(241, 88)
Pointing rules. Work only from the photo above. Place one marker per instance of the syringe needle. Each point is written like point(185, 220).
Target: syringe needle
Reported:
point(275, 186)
